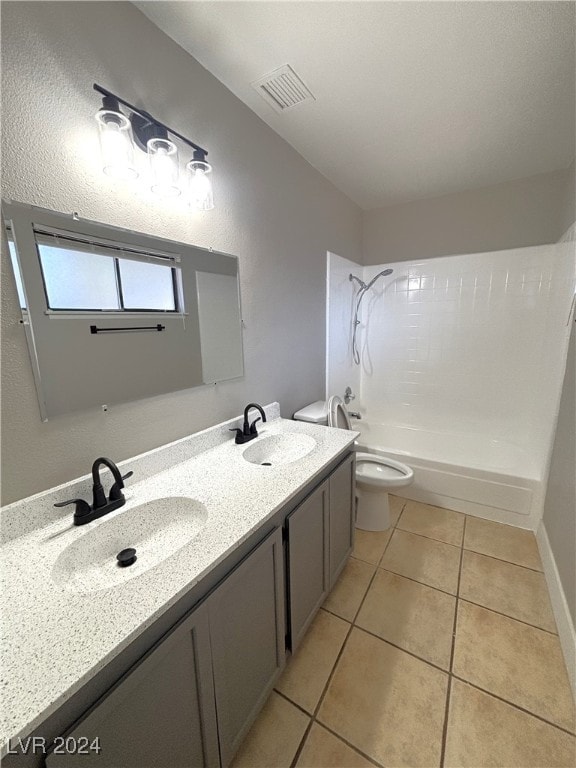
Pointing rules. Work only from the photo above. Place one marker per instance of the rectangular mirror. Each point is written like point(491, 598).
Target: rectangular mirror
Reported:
point(113, 315)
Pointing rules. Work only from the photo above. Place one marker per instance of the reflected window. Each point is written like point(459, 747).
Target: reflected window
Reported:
point(92, 277)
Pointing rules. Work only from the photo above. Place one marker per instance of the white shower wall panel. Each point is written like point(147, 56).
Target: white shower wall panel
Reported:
point(340, 369)
point(457, 344)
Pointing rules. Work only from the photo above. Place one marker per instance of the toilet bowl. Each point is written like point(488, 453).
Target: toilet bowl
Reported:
point(375, 474)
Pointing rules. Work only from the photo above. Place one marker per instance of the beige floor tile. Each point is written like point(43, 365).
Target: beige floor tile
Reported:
point(411, 615)
point(349, 590)
point(521, 664)
point(274, 738)
point(386, 703)
point(511, 589)
point(323, 750)
point(503, 541)
point(483, 731)
point(370, 545)
point(396, 506)
point(434, 522)
point(431, 562)
point(308, 670)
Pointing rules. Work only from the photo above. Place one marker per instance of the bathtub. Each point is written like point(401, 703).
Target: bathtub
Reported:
point(469, 473)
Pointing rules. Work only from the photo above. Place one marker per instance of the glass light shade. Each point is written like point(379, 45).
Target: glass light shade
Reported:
point(163, 155)
point(116, 145)
point(201, 196)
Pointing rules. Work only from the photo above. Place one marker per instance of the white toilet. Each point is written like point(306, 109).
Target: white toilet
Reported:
point(375, 475)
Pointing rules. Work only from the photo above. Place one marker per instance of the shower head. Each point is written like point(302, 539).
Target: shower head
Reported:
point(384, 273)
point(362, 284)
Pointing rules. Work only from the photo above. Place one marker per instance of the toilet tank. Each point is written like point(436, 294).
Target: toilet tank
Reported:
point(315, 413)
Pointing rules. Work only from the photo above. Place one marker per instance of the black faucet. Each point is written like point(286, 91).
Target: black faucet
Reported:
point(249, 431)
point(84, 513)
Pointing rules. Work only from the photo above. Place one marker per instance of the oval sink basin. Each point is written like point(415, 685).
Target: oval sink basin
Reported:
point(275, 450)
point(156, 530)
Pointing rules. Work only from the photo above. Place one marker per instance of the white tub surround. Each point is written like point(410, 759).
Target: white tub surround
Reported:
point(55, 638)
point(341, 372)
point(461, 371)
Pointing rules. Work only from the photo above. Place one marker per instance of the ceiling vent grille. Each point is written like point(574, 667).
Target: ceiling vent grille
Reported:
point(282, 89)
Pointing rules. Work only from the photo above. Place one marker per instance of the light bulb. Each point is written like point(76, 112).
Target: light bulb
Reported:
point(163, 155)
point(201, 196)
point(116, 145)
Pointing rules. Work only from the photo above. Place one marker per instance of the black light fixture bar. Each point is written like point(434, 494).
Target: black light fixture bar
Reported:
point(147, 116)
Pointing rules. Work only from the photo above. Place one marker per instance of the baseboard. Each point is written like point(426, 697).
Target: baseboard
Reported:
point(566, 630)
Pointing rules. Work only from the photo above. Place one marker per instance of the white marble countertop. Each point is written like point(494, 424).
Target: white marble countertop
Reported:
point(54, 640)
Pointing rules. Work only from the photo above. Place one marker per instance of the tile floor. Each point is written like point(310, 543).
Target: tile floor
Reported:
point(437, 647)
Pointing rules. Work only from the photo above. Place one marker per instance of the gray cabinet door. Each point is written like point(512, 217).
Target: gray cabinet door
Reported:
point(308, 561)
point(342, 501)
point(159, 715)
point(247, 638)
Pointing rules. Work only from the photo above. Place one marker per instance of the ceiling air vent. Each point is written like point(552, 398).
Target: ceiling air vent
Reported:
point(282, 89)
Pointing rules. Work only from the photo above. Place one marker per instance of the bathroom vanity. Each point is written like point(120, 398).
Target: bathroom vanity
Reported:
point(194, 644)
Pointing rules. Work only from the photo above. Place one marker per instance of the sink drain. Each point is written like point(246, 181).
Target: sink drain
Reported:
point(126, 557)
point(266, 464)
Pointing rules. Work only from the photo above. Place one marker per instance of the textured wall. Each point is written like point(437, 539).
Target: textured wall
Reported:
point(273, 210)
point(531, 211)
point(568, 207)
point(560, 505)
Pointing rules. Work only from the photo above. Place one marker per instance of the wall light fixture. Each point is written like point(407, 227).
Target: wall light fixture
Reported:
point(119, 133)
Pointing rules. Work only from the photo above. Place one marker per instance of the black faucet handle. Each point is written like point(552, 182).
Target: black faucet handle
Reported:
point(239, 435)
point(253, 430)
point(82, 507)
point(116, 490)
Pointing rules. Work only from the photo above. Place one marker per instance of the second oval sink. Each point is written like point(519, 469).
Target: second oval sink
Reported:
point(279, 449)
point(156, 530)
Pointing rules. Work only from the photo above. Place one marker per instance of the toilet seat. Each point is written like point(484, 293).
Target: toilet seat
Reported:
point(371, 469)
point(337, 414)
point(375, 470)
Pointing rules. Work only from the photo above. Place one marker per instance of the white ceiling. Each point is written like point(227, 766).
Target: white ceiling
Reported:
point(413, 99)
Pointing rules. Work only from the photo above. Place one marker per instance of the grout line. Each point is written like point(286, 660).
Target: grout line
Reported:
point(295, 703)
point(502, 560)
point(507, 616)
point(429, 538)
point(514, 706)
point(302, 741)
point(447, 710)
point(399, 648)
point(333, 670)
point(349, 744)
point(422, 583)
point(320, 700)
point(313, 717)
point(432, 538)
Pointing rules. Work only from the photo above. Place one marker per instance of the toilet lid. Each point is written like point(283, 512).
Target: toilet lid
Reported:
point(378, 470)
point(337, 413)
